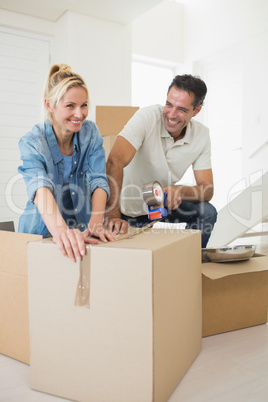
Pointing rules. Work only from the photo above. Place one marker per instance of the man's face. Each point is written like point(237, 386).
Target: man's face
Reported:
point(178, 111)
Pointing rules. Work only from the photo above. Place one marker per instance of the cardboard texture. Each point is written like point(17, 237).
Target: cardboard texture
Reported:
point(234, 295)
point(112, 119)
point(142, 330)
point(108, 143)
point(14, 317)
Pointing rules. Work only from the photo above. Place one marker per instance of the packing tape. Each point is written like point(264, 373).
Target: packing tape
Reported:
point(153, 193)
point(83, 286)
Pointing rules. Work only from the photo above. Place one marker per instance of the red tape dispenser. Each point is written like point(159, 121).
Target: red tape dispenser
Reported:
point(155, 198)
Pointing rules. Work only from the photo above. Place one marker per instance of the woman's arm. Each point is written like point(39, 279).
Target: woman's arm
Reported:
point(71, 242)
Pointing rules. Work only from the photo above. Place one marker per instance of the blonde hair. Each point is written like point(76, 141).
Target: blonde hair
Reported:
point(60, 79)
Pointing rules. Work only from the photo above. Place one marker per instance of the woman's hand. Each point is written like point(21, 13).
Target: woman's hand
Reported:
point(72, 243)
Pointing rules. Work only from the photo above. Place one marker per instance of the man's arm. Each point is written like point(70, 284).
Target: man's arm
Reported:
point(120, 156)
point(202, 191)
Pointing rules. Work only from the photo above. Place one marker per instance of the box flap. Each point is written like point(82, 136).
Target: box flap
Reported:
point(152, 239)
point(112, 119)
point(216, 270)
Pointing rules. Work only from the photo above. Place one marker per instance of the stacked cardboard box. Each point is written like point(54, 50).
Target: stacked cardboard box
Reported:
point(110, 121)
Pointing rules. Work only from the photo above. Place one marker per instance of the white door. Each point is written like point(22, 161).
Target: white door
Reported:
point(24, 61)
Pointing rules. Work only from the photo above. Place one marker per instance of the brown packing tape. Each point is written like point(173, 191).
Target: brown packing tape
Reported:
point(82, 297)
point(153, 194)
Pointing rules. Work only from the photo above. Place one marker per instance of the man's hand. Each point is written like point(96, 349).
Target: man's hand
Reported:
point(116, 225)
point(98, 230)
point(202, 191)
point(174, 196)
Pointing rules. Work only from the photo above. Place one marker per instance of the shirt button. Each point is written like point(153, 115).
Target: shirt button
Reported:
point(75, 162)
point(71, 175)
point(75, 210)
point(73, 193)
point(81, 172)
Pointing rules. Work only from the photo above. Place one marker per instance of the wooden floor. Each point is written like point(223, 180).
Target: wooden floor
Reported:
point(232, 367)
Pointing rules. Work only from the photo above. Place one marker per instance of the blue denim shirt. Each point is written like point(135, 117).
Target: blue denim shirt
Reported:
point(43, 166)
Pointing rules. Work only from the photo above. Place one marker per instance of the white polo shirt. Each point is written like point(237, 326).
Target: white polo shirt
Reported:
point(158, 157)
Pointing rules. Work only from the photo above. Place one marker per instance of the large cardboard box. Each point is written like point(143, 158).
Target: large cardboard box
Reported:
point(142, 329)
point(112, 119)
point(14, 317)
point(234, 295)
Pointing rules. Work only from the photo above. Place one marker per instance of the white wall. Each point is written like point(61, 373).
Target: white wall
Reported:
point(99, 50)
point(213, 26)
point(197, 33)
point(26, 23)
point(255, 122)
point(158, 34)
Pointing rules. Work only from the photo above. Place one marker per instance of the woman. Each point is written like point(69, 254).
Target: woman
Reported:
point(64, 168)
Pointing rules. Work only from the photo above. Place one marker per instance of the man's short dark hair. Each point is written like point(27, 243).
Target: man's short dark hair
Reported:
point(190, 84)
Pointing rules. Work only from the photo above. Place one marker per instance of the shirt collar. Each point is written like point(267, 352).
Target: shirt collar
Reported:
point(53, 144)
point(185, 140)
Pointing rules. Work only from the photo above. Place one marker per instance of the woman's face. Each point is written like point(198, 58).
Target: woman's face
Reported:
point(71, 111)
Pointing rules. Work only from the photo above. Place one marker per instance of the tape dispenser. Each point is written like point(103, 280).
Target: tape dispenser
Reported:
point(155, 198)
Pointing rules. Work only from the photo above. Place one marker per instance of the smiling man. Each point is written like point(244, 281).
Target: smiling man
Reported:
point(161, 143)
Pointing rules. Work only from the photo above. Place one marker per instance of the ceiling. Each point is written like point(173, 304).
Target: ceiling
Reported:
point(120, 11)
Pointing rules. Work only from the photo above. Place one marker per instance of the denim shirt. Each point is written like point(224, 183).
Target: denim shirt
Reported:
point(43, 166)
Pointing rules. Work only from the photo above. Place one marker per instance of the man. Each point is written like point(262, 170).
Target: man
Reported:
point(160, 143)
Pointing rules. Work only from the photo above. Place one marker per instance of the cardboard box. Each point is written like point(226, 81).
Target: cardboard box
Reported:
point(108, 143)
point(234, 295)
point(142, 329)
point(14, 317)
point(112, 119)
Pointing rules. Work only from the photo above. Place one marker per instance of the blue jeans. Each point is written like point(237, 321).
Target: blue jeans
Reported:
point(201, 216)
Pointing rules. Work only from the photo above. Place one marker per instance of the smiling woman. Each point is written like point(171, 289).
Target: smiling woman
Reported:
point(64, 168)
point(67, 116)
